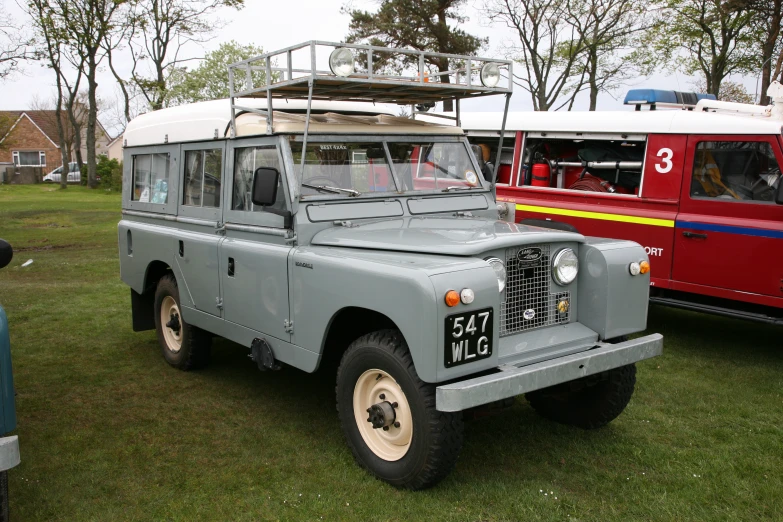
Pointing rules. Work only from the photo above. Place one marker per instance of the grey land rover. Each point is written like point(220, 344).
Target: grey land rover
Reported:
point(304, 222)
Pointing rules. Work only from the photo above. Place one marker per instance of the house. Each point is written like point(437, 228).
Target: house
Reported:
point(29, 138)
point(114, 148)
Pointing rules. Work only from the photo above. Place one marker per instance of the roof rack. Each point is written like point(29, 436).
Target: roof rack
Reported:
point(273, 75)
point(410, 83)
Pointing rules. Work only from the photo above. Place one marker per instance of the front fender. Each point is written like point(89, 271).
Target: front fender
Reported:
point(325, 280)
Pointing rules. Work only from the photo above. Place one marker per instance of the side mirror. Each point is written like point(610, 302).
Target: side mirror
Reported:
point(779, 193)
point(6, 253)
point(265, 182)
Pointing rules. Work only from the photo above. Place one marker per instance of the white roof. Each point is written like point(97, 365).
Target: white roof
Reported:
point(209, 120)
point(631, 122)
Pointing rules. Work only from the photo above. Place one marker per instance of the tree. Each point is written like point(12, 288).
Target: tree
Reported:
point(417, 24)
point(209, 81)
point(550, 51)
point(707, 37)
point(15, 46)
point(157, 31)
point(610, 30)
point(729, 91)
point(53, 37)
point(91, 30)
point(767, 20)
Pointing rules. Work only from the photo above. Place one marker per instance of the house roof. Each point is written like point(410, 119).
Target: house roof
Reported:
point(45, 120)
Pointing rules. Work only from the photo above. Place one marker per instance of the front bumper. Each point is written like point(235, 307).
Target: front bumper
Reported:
point(511, 381)
point(9, 452)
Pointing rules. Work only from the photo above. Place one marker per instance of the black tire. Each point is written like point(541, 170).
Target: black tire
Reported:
point(4, 496)
point(590, 402)
point(436, 436)
point(195, 345)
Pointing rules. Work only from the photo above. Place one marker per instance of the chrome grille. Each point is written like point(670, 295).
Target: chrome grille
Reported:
point(528, 288)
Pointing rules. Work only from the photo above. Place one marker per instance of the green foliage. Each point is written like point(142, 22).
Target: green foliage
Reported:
point(209, 81)
point(706, 37)
point(110, 172)
point(416, 24)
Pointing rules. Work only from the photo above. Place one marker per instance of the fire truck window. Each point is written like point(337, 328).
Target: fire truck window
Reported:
point(735, 171)
point(609, 166)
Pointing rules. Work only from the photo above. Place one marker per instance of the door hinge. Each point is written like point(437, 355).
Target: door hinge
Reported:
point(288, 325)
point(219, 303)
point(220, 228)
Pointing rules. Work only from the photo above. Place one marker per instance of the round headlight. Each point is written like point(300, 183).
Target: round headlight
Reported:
point(341, 62)
point(490, 75)
point(500, 271)
point(565, 267)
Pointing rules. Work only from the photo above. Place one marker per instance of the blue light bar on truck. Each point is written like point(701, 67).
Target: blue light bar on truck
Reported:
point(653, 97)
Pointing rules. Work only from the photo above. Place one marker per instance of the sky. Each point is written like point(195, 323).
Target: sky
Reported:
point(280, 23)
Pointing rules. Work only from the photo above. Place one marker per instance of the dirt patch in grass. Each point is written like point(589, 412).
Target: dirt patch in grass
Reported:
point(43, 248)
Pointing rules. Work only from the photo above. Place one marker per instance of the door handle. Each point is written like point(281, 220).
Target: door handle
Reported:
point(230, 267)
point(181, 248)
point(694, 234)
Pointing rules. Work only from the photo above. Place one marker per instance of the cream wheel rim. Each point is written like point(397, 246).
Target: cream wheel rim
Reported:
point(168, 311)
point(373, 387)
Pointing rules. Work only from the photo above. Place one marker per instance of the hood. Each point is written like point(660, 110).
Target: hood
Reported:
point(455, 236)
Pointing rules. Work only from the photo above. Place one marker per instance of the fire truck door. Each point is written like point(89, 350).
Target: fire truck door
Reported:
point(729, 232)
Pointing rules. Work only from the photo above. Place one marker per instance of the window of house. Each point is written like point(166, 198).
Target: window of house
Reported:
point(735, 171)
point(150, 178)
point(246, 161)
point(202, 178)
point(29, 158)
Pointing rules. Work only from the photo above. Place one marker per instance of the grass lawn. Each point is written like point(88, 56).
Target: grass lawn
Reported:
point(108, 431)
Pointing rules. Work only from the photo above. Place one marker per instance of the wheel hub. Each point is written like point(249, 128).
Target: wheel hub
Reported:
point(382, 415)
point(174, 322)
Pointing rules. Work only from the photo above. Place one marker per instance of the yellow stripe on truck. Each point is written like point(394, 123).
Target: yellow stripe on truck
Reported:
point(598, 215)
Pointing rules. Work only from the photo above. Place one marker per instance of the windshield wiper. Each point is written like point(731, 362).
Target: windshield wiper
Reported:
point(333, 190)
point(459, 187)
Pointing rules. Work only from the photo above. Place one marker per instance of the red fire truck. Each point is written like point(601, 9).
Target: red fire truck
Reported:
point(699, 187)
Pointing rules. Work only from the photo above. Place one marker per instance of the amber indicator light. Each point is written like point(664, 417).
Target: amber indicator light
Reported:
point(452, 298)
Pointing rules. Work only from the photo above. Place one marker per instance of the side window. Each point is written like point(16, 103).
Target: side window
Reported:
point(607, 165)
point(202, 178)
point(246, 161)
point(735, 171)
point(150, 178)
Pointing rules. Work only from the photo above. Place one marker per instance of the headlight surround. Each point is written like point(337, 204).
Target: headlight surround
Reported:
point(565, 267)
point(500, 271)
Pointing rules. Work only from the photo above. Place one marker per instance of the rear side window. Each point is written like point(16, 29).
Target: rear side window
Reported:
point(150, 178)
point(202, 178)
point(735, 171)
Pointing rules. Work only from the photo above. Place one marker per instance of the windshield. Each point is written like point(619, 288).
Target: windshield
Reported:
point(424, 165)
point(355, 168)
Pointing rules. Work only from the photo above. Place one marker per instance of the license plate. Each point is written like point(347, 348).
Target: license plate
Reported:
point(468, 337)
